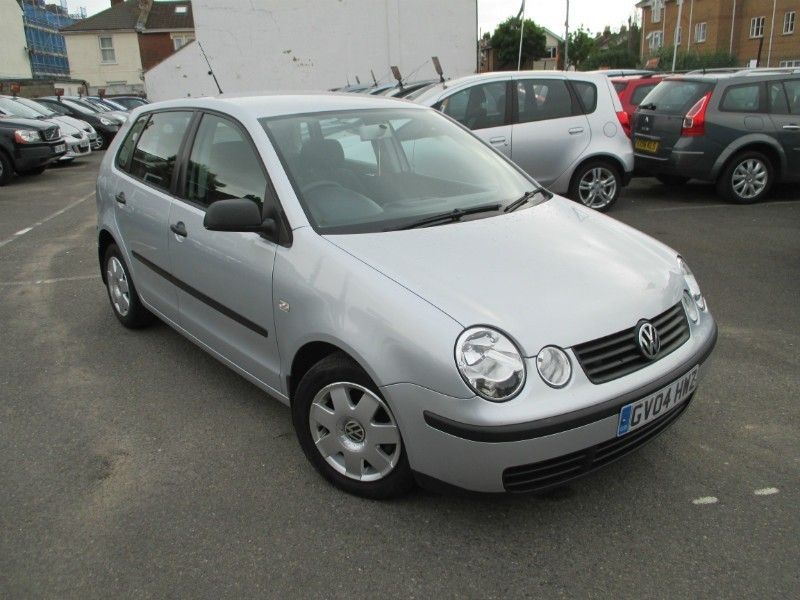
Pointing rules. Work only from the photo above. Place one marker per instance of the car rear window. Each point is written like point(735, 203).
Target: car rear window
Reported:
point(640, 92)
point(619, 86)
point(676, 95)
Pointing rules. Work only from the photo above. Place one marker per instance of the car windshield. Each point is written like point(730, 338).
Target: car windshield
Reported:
point(43, 110)
point(80, 106)
point(417, 93)
point(13, 107)
point(675, 95)
point(363, 171)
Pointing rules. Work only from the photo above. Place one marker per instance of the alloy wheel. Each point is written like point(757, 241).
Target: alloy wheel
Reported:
point(118, 286)
point(597, 188)
point(749, 178)
point(354, 431)
point(97, 144)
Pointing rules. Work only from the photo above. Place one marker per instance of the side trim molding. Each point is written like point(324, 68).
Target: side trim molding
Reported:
point(221, 308)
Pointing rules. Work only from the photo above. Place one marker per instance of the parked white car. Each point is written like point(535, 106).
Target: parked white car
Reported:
point(566, 129)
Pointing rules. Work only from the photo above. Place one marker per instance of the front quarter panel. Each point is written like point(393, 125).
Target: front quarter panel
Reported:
point(395, 335)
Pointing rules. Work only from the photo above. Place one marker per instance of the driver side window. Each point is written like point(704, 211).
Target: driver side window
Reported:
point(478, 107)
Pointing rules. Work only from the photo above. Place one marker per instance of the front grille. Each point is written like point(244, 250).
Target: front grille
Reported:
point(618, 354)
point(51, 134)
point(557, 471)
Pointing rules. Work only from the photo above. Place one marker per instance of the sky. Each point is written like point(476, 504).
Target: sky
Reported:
point(591, 14)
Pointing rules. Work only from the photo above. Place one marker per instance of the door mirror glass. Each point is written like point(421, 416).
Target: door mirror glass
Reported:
point(237, 215)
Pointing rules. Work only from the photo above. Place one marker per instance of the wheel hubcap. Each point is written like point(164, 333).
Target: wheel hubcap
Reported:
point(118, 286)
point(749, 178)
point(354, 431)
point(597, 187)
point(97, 144)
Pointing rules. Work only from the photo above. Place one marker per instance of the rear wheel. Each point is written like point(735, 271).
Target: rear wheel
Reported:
point(125, 302)
point(671, 180)
point(747, 178)
point(348, 432)
point(596, 184)
point(6, 169)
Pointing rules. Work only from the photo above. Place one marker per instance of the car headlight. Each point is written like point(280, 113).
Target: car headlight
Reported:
point(490, 363)
point(26, 136)
point(690, 306)
point(554, 366)
point(691, 283)
point(107, 122)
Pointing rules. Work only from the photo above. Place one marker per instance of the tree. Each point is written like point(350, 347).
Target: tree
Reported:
point(581, 45)
point(505, 42)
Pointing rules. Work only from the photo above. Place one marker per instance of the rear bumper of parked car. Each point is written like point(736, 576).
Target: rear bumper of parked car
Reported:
point(33, 156)
point(686, 159)
point(452, 443)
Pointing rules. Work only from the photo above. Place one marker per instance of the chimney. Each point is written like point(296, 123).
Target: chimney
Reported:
point(116, 2)
point(145, 6)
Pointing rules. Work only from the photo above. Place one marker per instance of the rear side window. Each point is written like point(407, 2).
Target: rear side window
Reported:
point(479, 106)
point(587, 92)
point(543, 99)
point(224, 165)
point(777, 98)
point(154, 157)
point(640, 92)
point(742, 98)
point(126, 149)
point(792, 88)
point(676, 96)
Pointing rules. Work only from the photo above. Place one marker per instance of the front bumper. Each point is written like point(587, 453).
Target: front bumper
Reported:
point(77, 148)
point(454, 441)
point(32, 156)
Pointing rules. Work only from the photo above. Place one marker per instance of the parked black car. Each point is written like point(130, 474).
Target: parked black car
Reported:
point(129, 102)
point(106, 127)
point(740, 130)
point(27, 146)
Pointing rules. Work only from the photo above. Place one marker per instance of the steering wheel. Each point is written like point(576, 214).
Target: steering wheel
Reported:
point(320, 184)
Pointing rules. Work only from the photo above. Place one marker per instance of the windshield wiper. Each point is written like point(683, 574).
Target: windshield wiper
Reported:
point(453, 215)
point(522, 200)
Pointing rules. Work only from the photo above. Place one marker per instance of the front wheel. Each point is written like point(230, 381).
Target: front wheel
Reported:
point(596, 184)
point(746, 179)
point(99, 142)
point(348, 432)
point(6, 169)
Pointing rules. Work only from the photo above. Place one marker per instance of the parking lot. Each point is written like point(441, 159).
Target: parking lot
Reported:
point(133, 464)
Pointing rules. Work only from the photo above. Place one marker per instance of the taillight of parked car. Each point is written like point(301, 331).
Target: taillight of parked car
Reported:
point(694, 123)
point(26, 136)
point(625, 121)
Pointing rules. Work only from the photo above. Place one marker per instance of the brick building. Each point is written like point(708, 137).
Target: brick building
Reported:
point(762, 32)
point(113, 48)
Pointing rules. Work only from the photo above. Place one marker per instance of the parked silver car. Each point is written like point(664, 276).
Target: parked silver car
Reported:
point(564, 128)
point(424, 307)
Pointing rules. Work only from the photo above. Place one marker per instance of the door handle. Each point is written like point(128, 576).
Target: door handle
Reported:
point(574, 130)
point(120, 198)
point(792, 127)
point(498, 140)
point(178, 229)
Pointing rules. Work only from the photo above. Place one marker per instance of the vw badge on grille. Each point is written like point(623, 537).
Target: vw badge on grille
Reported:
point(647, 337)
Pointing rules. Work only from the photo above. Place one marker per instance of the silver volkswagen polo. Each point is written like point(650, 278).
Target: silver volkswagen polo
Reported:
point(425, 308)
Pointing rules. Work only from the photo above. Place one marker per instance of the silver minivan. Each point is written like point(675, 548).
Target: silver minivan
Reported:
point(566, 129)
point(426, 309)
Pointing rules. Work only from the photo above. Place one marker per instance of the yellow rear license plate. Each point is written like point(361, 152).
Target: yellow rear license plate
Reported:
point(650, 146)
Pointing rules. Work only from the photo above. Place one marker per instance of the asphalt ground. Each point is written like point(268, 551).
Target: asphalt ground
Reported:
point(132, 464)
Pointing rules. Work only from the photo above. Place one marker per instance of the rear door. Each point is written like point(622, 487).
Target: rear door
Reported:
point(550, 131)
point(784, 101)
point(225, 278)
point(485, 109)
point(658, 120)
point(142, 189)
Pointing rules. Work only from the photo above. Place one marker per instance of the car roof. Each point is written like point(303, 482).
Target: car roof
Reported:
point(282, 104)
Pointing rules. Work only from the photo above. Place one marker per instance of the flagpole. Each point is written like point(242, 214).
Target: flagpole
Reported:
point(521, 30)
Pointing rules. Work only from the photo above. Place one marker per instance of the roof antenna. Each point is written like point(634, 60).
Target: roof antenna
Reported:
point(438, 68)
point(358, 81)
point(210, 70)
point(374, 81)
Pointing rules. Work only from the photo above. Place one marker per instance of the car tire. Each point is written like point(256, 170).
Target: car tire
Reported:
point(338, 414)
point(747, 178)
point(99, 143)
point(6, 169)
point(125, 301)
point(596, 184)
point(672, 180)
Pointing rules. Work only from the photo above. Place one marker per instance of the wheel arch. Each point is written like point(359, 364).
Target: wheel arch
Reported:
point(758, 143)
point(309, 354)
point(610, 159)
point(104, 240)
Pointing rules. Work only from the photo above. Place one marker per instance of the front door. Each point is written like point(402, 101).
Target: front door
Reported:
point(483, 108)
point(548, 134)
point(225, 278)
point(143, 200)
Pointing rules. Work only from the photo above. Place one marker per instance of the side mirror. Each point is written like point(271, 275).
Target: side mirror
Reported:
point(238, 215)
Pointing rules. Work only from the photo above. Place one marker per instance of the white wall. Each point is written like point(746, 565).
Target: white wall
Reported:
point(317, 44)
point(14, 61)
point(83, 51)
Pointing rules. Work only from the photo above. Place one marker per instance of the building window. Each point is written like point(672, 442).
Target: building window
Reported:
point(788, 22)
point(179, 41)
point(757, 27)
point(700, 32)
point(655, 12)
point(655, 39)
point(551, 52)
point(107, 54)
point(790, 63)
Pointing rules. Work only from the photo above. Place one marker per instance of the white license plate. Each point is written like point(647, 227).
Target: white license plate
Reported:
point(60, 148)
point(643, 411)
